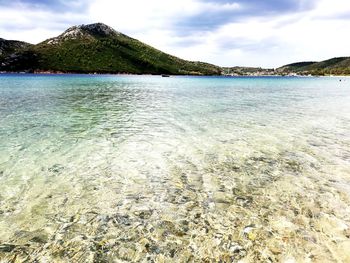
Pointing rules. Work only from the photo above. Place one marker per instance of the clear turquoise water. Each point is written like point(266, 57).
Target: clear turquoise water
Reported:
point(140, 168)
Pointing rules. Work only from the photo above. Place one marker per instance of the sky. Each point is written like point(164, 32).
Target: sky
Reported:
point(264, 33)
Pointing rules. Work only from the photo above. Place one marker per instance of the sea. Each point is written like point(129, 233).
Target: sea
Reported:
point(119, 168)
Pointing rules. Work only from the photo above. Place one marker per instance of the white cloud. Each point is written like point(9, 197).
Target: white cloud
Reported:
point(22, 23)
point(274, 41)
point(137, 16)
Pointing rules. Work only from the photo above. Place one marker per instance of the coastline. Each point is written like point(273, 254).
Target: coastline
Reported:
point(171, 75)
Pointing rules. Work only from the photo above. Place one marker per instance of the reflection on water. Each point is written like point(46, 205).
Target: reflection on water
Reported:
point(114, 169)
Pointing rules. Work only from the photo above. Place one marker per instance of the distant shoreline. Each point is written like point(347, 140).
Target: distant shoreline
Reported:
point(48, 73)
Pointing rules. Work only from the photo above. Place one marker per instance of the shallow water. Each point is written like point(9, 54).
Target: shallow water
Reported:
point(150, 169)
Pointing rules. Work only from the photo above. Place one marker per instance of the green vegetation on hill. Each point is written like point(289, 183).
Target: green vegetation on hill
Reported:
point(98, 48)
point(334, 66)
point(8, 47)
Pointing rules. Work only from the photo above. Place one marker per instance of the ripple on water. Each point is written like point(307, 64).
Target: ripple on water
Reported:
point(196, 169)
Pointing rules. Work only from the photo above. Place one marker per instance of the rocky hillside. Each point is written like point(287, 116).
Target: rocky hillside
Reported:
point(8, 47)
point(101, 49)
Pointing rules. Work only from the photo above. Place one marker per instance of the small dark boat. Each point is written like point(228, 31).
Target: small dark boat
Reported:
point(165, 76)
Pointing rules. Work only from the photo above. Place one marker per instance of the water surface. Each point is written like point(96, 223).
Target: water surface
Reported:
point(151, 169)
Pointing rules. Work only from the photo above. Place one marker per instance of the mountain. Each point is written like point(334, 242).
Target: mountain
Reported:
point(8, 47)
point(334, 66)
point(99, 48)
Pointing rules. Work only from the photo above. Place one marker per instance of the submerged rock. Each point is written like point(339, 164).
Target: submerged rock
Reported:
point(238, 251)
point(7, 247)
point(56, 168)
point(244, 201)
point(42, 239)
point(250, 232)
point(122, 219)
point(144, 214)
